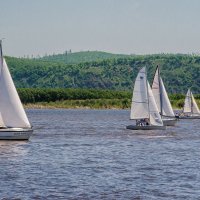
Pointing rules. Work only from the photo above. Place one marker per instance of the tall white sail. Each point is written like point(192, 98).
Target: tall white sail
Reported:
point(155, 118)
point(156, 89)
point(195, 109)
point(161, 97)
point(139, 105)
point(166, 105)
point(11, 108)
point(188, 103)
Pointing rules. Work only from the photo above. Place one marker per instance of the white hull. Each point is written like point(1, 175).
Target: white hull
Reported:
point(15, 133)
point(189, 117)
point(169, 122)
point(149, 127)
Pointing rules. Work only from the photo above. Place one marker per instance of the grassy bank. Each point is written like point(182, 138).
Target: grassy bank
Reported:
point(86, 104)
point(94, 104)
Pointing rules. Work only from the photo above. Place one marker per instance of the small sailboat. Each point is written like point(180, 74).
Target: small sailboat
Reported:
point(190, 109)
point(143, 107)
point(162, 100)
point(14, 124)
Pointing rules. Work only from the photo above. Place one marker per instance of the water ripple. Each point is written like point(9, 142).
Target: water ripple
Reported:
point(88, 154)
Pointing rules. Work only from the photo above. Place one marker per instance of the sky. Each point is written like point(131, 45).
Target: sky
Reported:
point(39, 27)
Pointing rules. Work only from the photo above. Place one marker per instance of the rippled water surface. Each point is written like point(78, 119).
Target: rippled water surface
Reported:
point(88, 154)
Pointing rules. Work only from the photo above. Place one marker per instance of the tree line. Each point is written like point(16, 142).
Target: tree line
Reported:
point(33, 95)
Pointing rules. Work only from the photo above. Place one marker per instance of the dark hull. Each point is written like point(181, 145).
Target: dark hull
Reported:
point(134, 127)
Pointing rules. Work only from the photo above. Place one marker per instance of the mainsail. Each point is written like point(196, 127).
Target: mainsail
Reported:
point(190, 105)
point(139, 105)
point(11, 109)
point(143, 102)
point(161, 97)
point(195, 109)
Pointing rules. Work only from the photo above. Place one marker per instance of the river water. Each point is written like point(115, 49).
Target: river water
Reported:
point(88, 154)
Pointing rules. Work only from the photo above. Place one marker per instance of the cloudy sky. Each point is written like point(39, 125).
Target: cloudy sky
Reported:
point(33, 27)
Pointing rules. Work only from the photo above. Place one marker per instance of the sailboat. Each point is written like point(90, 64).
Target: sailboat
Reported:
point(190, 109)
point(143, 107)
point(162, 100)
point(14, 124)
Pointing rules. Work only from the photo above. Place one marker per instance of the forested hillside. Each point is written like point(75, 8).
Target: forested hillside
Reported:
point(85, 56)
point(179, 72)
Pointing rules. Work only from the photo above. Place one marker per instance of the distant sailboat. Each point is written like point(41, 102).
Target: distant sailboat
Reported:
point(143, 108)
point(14, 124)
point(162, 100)
point(190, 110)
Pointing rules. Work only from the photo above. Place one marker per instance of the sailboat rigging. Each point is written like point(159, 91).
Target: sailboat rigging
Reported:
point(143, 107)
point(190, 109)
point(162, 100)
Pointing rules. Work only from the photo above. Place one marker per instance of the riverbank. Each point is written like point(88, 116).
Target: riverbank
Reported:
point(92, 104)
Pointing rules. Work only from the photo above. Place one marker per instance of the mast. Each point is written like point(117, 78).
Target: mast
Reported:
point(1, 52)
point(191, 102)
point(147, 93)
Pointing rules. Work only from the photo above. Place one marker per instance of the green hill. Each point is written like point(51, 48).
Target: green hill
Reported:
point(179, 72)
point(78, 57)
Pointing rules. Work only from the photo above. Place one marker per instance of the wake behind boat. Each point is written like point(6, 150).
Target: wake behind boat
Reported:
point(190, 109)
point(143, 108)
point(162, 100)
point(14, 124)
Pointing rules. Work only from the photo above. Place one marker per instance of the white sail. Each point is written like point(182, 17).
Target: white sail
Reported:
point(166, 105)
point(2, 124)
point(11, 108)
point(156, 90)
point(155, 118)
point(139, 105)
point(195, 109)
point(188, 103)
point(160, 94)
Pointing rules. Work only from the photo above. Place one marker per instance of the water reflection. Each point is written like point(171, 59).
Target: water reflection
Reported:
point(13, 148)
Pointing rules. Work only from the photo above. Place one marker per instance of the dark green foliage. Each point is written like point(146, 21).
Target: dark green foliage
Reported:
point(179, 72)
point(78, 57)
point(32, 95)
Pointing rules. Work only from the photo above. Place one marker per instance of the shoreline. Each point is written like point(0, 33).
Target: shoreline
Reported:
point(108, 107)
point(72, 107)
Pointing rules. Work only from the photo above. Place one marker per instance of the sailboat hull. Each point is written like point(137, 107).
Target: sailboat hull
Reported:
point(169, 122)
point(134, 127)
point(189, 117)
point(15, 133)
